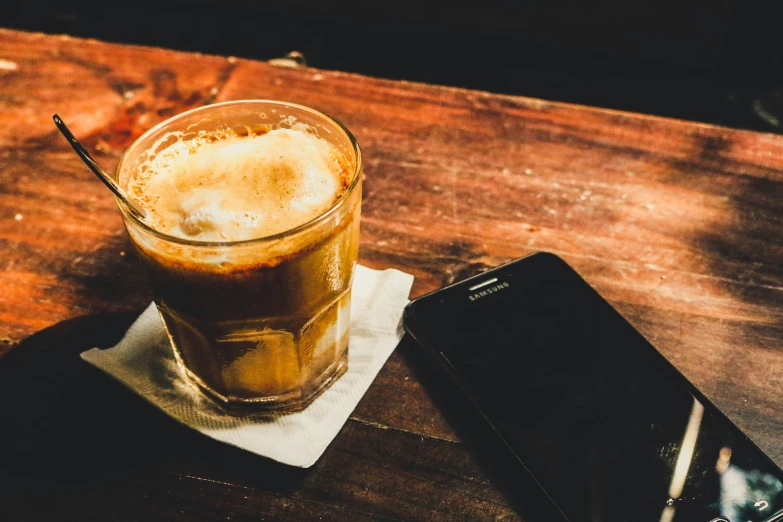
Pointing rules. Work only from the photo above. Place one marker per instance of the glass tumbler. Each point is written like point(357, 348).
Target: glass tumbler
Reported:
point(259, 324)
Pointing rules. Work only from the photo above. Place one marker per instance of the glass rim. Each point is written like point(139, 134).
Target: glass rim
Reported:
point(128, 215)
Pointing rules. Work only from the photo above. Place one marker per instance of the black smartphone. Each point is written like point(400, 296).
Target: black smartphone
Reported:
point(602, 421)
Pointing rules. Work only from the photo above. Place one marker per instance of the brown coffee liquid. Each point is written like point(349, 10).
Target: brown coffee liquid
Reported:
point(265, 322)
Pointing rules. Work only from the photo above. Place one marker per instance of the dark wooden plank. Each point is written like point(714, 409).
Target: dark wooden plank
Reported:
point(163, 496)
point(99, 451)
point(409, 407)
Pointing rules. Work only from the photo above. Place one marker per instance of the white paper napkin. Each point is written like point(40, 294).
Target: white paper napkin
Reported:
point(144, 362)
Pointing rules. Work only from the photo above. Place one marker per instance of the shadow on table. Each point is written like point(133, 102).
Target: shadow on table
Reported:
point(495, 460)
point(65, 424)
point(743, 244)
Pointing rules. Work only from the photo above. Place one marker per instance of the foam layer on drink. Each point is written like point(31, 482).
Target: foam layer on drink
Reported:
point(230, 187)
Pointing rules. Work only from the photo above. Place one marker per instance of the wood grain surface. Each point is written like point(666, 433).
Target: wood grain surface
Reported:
point(676, 224)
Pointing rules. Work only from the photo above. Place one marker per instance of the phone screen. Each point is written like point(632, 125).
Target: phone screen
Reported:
point(604, 424)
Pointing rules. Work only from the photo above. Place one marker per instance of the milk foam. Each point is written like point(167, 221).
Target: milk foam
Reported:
point(231, 187)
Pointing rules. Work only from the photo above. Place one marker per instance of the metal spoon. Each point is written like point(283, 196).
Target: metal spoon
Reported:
point(136, 210)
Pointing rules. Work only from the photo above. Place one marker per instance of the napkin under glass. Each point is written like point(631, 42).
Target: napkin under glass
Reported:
point(144, 362)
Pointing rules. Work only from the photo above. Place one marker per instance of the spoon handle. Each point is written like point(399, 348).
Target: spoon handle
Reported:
point(97, 170)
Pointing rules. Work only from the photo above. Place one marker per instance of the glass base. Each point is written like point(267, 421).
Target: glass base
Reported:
point(289, 402)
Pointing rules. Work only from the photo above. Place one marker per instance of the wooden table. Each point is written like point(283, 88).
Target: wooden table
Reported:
point(676, 224)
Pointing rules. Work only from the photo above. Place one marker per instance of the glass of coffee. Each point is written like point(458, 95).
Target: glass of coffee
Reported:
point(250, 245)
